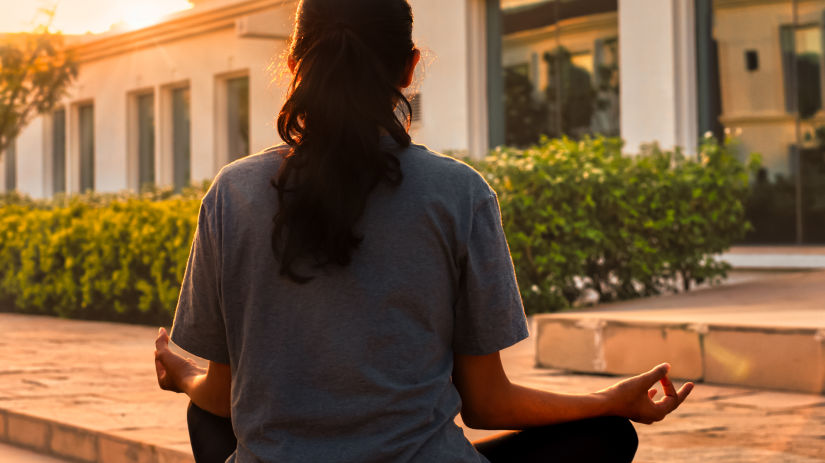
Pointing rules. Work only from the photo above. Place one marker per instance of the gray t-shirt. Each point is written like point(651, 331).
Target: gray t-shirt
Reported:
point(356, 365)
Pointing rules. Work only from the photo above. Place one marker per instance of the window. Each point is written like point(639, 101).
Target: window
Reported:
point(802, 48)
point(86, 146)
point(145, 107)
point(237, 117)
point(11, 167)
point(560, 67)
point(59, 151)
point(181, 144)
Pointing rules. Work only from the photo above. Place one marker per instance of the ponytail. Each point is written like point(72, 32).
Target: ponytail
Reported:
point(349, 59)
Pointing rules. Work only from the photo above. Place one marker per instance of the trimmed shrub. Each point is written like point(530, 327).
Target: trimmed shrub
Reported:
point(580, 216)
point(104, 257)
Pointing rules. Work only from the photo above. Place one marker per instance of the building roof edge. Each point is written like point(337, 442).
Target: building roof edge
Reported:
point(176, 27)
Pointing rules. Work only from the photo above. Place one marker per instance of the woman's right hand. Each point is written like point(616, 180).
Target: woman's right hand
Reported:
point(633, 398)
point(173, 371)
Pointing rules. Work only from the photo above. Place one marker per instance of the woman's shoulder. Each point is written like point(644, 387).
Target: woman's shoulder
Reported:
point(423, 165)
point(269, 157)
point(245, 177)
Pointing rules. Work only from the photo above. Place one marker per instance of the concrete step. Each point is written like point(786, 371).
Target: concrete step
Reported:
point(775, 257)
point(78, 444)
point(11, 454)
point(763, 331)
point(781, 358)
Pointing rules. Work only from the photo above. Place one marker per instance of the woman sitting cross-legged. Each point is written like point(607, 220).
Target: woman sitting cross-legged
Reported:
point(352, 290)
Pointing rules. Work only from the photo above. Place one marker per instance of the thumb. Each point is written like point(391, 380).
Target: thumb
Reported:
point(162, 341)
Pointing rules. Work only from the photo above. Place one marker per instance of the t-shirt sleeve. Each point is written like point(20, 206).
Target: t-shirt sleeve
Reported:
point(489, 314)
point(199, 324)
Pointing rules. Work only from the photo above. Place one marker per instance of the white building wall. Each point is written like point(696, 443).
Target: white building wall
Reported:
point(442, 31)
point(658, 73)
point(201, 62)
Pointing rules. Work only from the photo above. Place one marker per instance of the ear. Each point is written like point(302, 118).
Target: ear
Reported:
point(409, 71)
point(291, 63)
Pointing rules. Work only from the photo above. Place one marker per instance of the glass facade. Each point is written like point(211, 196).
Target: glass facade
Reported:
point(237, 117)
point(770, 75)
point(146, 139)
point(181, 140)
point(59, 151)
point(560, 64)
point(760, 80)
point(86, 145)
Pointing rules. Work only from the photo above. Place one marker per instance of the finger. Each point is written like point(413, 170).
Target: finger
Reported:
point(684, 391)
point(652, 393)
point(656, 374)
point(668, 387)
point(670, 403)
point(162, 341)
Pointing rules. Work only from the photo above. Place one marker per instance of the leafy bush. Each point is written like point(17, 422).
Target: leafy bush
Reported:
point(108, 257)
point(581, 216)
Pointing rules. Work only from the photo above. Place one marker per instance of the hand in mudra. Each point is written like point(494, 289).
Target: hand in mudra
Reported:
point(634, 397)
point(172, 369)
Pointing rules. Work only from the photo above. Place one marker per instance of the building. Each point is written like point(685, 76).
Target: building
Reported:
point(173, 102)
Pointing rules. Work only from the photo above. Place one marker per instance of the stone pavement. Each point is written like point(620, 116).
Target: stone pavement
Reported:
point(10, 454)
point(86, 391)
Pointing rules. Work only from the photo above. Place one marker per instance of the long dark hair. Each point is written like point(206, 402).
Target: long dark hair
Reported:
point(348, 59)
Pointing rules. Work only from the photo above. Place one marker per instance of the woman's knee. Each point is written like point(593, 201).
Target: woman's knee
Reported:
point(211, 436)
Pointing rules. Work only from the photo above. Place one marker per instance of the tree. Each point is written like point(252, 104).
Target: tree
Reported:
point(36, 70)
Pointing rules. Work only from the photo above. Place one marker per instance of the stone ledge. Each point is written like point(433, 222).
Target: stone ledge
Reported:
point(79, 444)
point(791, 359)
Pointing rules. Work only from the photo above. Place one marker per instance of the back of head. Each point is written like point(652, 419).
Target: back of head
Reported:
point(349, 60)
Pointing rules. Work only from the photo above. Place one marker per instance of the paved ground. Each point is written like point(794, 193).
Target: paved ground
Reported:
point(762, 299)
point(9, 454)
point(100, 376)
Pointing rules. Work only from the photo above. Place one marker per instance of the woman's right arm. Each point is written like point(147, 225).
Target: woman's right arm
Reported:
point(491, 401)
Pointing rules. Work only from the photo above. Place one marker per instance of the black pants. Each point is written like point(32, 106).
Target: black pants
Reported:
point(598, 440)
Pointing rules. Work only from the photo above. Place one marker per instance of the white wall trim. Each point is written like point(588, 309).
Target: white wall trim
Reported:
point(478, 124)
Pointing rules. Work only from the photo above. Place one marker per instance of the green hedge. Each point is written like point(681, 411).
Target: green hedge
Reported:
point(104, 257)
point(580, 216)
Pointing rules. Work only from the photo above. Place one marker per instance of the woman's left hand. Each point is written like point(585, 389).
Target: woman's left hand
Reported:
point(633, 397)
point(174, 371)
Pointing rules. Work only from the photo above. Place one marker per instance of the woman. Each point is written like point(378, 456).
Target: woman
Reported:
point(352, 291)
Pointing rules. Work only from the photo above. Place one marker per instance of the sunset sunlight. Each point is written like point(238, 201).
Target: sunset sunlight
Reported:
point(84, 16)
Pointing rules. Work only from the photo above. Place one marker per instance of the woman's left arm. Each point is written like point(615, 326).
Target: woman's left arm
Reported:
point(209, 388)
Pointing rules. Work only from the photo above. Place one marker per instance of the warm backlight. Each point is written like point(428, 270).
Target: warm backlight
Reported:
point(82, 16)
point(139, 14)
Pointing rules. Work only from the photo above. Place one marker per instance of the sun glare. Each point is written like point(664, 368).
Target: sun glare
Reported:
point(138, 15)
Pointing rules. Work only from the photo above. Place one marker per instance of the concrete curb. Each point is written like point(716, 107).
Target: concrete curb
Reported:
point(789, 359)
point(78, 444)
point(769, 261)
